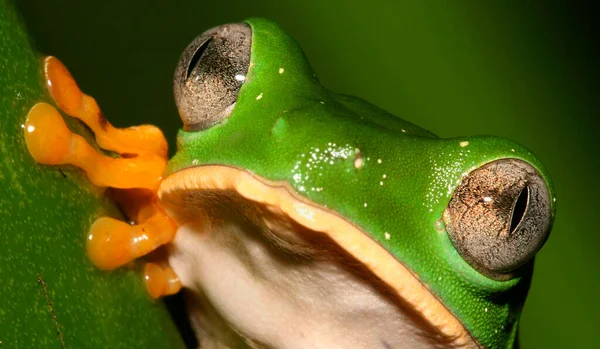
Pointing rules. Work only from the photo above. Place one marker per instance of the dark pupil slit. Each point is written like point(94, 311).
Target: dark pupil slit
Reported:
point(519, 209)
point(196, 57)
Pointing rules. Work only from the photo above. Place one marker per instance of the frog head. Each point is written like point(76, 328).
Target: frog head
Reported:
point(313, 219)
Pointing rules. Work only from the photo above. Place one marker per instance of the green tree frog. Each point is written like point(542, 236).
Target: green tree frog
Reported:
point(301, 218)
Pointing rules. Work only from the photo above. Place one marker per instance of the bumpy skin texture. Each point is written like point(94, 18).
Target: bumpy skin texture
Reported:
point(287, 127)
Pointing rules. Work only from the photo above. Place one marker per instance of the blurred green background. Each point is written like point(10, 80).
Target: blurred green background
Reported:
point(521, 71)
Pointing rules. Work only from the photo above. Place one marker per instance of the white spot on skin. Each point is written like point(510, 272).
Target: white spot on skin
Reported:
point(240, 77)
point(446, 169)
point(485, 310)
point(403, 130)
point(512, 150)
point(281, 70)
point(387, 235)
point(365, 204)
point(487, 199)
point(464, 144)
point(322, 102)
point(379, 161)
point(195, 162)
point(358, 161)
point(439, 278)
point(317, 160)
point(439, 226)
point(384, 176)
point(380, 183)
point(553, 199)
point(259, 96)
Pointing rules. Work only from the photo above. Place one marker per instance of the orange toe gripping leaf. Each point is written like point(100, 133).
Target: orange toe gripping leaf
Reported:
point(133, 176)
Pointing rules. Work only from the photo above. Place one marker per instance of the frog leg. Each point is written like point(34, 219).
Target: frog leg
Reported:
point(136, 173)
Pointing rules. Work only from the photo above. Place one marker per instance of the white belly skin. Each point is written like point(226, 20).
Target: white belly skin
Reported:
point(245, 292)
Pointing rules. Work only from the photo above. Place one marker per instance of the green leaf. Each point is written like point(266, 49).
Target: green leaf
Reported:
point(51, 296)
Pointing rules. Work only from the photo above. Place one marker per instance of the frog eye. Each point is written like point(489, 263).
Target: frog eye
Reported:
point(210, 73)
point(499, 217)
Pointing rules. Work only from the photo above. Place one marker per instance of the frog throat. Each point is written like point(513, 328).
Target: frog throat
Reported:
point(282, 197)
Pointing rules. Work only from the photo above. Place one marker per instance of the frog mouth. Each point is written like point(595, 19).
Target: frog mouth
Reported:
point(201, 198)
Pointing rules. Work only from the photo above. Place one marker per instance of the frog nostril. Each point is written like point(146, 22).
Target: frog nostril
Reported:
point(518, 211)
point(196, 57)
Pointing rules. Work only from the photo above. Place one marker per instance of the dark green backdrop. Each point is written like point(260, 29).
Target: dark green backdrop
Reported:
point(523, 72)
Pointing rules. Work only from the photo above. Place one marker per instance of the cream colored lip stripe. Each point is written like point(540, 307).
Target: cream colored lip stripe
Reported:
point(348, 236)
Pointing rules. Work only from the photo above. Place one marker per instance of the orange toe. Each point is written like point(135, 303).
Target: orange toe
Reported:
point(160, 281)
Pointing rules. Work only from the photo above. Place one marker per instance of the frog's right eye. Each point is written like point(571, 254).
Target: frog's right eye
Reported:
point(210, 73)
point(499, 216)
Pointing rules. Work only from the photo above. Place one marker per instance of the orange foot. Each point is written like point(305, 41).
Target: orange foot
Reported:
point(135, 175)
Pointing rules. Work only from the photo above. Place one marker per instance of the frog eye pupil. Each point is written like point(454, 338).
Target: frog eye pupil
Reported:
point(518, 211)
point(196, 57)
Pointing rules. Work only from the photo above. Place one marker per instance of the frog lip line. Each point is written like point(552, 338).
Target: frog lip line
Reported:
point(358, 244)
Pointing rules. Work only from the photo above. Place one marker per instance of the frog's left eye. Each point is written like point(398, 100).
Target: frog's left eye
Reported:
point(210, 73)
point(499, 217)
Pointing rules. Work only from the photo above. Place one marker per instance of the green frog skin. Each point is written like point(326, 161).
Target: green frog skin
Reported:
point(309, 219)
